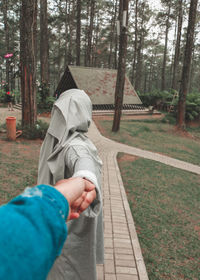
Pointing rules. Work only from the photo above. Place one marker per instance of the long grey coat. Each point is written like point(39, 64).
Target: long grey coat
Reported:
point(65, 152)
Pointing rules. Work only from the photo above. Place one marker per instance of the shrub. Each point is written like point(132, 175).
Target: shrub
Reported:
point(44, 101)
point(37, 131)
point(158, 99)
point(2, 95)
point(192, 107)
point(169, 118)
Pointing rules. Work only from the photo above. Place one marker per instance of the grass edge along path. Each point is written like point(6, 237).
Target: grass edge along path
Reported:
point(165, 206)
point(154, 136)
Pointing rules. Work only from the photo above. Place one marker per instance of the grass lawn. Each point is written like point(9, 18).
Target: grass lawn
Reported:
point(165, 203)
point(18, 165)
point(155, 136)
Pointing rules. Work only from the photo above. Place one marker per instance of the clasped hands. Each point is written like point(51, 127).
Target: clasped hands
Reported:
point(79, 192)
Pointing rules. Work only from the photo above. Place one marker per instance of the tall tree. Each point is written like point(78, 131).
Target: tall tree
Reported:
point(186, 65)
point(135, 43)
point(178, 41)
point(143, 16)
point(90, 33)
point(168, 3)
point(44, 45)
point(119, 89)
point(78, 31)
point(112, 34)
point(28, 50)
point(5, 4)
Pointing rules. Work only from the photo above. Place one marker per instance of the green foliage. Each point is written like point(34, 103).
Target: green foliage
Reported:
point(34, 132)
point(169, 118)
point(17, 96)
point(157, 99)
point(2, 95)
point(192, 106)
point(44, 101)
point(161, 100)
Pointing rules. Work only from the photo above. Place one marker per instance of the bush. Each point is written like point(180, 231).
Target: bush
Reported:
point(17, 96)
point(192, 107)
point(46, 105)
point(44, 101)
point(169, 118)
point(2, 95)
point(158, 99)
point(162, 100)
point(37, 131)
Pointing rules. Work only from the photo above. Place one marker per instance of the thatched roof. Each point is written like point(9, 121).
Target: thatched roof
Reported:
point(98, 83)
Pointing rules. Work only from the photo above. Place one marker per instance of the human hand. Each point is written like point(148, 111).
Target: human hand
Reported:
point(76, 191)
point(89, 198)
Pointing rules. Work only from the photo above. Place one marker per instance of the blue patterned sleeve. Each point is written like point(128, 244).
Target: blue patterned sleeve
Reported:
point(32, 233)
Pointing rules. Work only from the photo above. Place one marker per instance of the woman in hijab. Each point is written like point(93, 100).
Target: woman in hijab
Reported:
point(66, 152)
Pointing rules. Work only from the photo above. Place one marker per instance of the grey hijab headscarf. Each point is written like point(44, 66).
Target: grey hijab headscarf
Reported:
point(71, 116)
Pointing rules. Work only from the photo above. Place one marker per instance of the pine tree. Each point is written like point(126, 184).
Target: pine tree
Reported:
point(28, 55)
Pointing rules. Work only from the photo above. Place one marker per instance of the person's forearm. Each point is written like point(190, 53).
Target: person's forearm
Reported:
point(33, 231)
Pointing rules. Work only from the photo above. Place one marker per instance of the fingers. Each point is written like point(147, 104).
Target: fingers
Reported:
point(88, 200)
point(76, 204)
point(73, 216)
point(89, 186)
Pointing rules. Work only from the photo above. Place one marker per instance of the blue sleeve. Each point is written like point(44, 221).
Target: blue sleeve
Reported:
point(32, 233)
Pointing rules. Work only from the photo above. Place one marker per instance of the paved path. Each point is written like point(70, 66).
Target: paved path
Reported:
point(123, 257)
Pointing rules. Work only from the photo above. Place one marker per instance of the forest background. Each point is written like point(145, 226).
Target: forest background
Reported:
point(74, 32)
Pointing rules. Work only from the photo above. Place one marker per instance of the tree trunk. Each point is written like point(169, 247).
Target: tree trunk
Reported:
point(112, 34)
point(115, 53)
point(66, 31)
point(165, 50)
point(7, 38)
point(90, 32)
point(44, 45)
point(186, 65)
point(69, 30)
point(28, 61)
point(86, 30)
point(139, 52)
point(119, 90)
point(78, 32)
point(138, 74)
point(177, 48)
point(135, 44)
point(96, 42)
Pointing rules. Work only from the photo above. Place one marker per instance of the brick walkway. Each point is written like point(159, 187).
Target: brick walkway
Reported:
point(123, 257)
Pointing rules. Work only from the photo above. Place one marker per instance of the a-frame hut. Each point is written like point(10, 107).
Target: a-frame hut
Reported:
point(99, 84)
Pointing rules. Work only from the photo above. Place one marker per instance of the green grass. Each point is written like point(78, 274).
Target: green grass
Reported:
point(155, 136)
point(18, 165)
point(165, 205)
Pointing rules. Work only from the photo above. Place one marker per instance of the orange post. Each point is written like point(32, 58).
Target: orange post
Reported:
point(11, 128)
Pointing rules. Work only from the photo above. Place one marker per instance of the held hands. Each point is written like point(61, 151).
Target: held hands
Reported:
point(80, 193)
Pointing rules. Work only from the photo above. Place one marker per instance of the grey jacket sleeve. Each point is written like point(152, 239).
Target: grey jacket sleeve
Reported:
point(80, 164)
